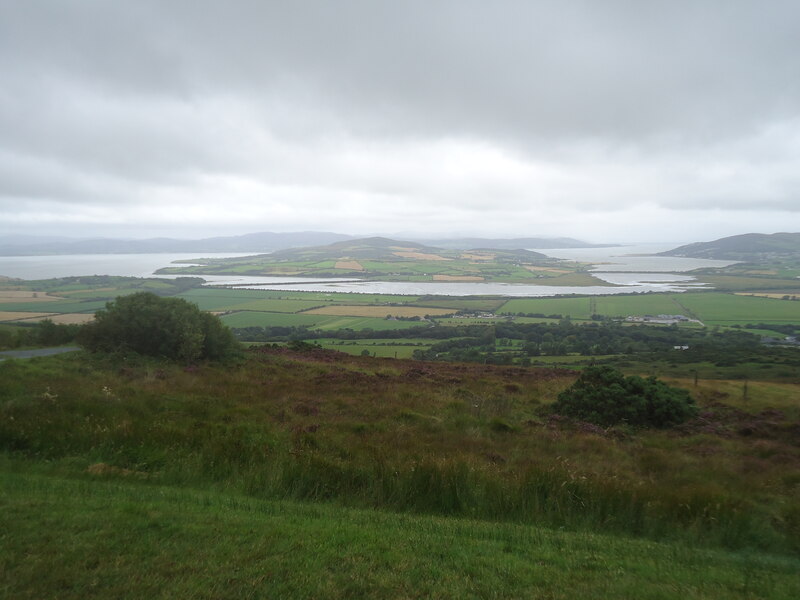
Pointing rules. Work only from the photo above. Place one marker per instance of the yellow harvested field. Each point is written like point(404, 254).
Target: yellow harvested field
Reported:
point(377, 311)
point(27, 296)
point(350, 265)
point(62, 319)
point(457, 278)
point(548, 269)
point(760, 272)
point(420, 256)
point(779, 296)
point(19, 316)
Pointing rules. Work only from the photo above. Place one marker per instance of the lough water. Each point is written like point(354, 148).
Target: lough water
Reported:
point(468, 289)
point(630, 258)
point(614, 266)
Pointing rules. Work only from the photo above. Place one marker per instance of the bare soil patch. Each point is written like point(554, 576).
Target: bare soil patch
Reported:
point(457, 278)
point(761, 272)
point(350, 265)
point(27, 296)
point(779, 296)
point(7, 315)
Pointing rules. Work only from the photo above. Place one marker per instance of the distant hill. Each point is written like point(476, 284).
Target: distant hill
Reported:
point(384, 259)
point(749, 246)
point(254, 242)
point(513, 243)
point(378, 248)
point(251, 242)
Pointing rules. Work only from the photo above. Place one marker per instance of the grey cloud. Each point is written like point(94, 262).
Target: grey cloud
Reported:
point(518, 69)
point(601, 105)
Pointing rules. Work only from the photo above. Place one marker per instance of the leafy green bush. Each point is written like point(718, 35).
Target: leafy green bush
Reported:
point(604, 396)
point(164, 327)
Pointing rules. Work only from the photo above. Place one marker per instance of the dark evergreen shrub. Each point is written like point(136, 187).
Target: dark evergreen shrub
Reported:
point(604, 396)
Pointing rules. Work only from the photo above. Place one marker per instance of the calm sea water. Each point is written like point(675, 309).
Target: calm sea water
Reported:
point(631, 273)
point(68, 265)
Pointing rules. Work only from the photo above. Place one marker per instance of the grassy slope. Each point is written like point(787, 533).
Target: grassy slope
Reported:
point(470, 440)
point(100, 539)
point(248, 318)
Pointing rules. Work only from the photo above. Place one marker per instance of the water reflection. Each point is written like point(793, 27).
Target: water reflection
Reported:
point(463, 289)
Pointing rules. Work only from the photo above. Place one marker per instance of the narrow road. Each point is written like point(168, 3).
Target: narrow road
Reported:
point(36, 352)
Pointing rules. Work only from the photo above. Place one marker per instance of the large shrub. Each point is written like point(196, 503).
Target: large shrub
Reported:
point(604, 396)
point(164, 327)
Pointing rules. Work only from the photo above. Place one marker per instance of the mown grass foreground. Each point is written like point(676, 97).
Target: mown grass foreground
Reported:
point(143, 476)
point(107, 539)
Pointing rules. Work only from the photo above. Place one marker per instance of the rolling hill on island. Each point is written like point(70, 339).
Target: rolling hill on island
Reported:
point(381, 248)
point(746, 247)
point(395, 260)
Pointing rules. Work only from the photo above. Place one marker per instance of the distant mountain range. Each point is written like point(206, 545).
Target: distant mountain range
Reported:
point(749, 246)
point(251, 242)
point(513, 243)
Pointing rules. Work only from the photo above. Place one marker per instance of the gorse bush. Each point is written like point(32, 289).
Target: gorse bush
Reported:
point(604, 396)
point(162, 327)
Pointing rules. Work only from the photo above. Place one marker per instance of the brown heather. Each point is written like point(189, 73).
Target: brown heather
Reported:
point(469, 440)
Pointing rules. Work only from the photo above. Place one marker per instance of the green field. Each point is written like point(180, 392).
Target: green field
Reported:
point(265, 319)
point(247, 318)
point(727, 309)
point(226, 296)
point(580, 308)
point(253, 302)
point(709, 307)
point(489, 304)
point(265, 307)
point(737, 283)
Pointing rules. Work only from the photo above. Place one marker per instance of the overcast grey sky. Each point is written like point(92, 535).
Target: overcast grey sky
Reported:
point(607, 120)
